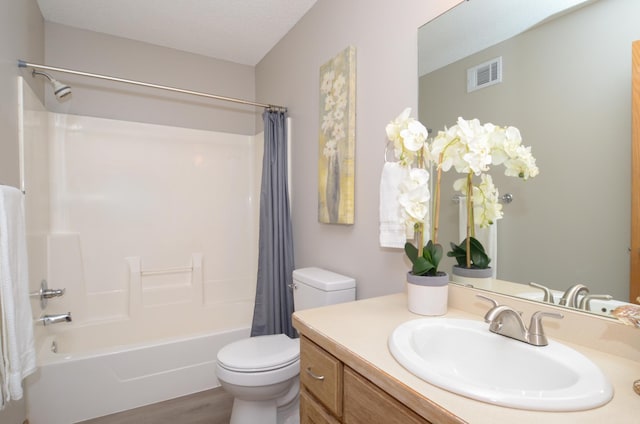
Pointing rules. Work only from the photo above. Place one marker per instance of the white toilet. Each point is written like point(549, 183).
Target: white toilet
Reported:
point(262, 373)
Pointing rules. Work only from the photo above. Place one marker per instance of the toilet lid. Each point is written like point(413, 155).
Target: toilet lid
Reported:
point(259, 353)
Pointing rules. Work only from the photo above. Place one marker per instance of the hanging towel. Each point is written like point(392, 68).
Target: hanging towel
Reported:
point(487, 236)
point(17, 352)
point(393, 232)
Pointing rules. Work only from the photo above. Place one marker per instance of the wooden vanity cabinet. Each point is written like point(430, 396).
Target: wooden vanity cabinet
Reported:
point(321, 376)
point(333, 393)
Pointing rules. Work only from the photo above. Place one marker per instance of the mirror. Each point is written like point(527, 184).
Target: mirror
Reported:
point(566, 85)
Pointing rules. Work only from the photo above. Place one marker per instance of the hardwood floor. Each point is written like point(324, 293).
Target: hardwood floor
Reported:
point(208, 407)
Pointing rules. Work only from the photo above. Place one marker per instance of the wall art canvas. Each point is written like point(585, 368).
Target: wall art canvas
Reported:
point(337, 137)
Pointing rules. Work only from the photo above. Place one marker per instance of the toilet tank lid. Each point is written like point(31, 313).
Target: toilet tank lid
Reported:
point(323, 279)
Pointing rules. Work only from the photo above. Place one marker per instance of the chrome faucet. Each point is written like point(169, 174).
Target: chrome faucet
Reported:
point(506, 321)
point(54, 319)
point(570, 297)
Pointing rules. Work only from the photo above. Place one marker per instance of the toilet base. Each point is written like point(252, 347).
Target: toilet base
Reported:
point(246, 412)
point(289, 414)
point(251, 412)
point(253, 405)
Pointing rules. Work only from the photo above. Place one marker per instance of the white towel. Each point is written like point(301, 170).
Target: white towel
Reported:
point(393, 231)
point(487, 236)
point(17, 353)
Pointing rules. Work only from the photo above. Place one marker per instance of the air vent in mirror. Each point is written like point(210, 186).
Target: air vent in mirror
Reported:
point(484, 75)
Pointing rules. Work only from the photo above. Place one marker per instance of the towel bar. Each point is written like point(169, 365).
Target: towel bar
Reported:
point(504, 199)
point(167, 270)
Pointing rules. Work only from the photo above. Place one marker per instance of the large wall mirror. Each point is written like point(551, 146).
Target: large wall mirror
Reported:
point(566, 84)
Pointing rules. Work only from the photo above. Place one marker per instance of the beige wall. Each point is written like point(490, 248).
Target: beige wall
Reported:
point(21, 37)
point(93, 52)
point(567, 87)
point(385, 37)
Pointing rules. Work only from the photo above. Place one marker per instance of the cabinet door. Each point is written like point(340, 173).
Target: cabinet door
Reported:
point(365, 403)
point(313, 413)
point(321, 375)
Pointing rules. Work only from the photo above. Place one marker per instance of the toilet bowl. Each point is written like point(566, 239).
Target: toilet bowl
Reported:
point(262, 372)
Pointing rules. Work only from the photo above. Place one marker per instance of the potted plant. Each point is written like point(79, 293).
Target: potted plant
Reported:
point(471, 148)
point(427, 287)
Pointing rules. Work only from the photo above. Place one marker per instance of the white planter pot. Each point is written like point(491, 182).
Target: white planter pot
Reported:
point(475, 277)
point(428, 295)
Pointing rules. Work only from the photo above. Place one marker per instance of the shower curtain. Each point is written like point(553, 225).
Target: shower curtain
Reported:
point(274, 293)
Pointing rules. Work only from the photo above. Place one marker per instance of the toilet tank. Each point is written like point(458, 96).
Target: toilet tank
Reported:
point(315, 287)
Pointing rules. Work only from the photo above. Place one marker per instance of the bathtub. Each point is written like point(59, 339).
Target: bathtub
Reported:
point(81, 376)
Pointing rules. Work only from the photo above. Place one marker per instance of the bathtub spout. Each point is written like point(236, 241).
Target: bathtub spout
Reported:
point(54, 319)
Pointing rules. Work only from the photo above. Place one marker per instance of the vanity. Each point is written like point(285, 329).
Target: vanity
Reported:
point(348, 374)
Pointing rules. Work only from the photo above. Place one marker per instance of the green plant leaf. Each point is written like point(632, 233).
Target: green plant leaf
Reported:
point(433, 253)
point(476, 245)
point(421, 266)
point(479, 258)
point(411, 251)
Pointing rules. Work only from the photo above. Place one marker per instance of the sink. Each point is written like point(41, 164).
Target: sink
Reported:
point(464, 357)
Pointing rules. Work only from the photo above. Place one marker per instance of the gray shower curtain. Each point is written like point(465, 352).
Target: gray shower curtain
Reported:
point(274, 295)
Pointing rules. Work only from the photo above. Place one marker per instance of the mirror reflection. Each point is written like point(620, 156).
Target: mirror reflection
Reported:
point(566, 84)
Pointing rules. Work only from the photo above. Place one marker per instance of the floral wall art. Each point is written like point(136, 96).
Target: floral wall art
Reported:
point(336, 159)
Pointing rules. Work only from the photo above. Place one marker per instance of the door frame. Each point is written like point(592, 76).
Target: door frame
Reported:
point(634, 250)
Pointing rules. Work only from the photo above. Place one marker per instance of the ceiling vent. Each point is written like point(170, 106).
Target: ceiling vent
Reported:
point(484, 75)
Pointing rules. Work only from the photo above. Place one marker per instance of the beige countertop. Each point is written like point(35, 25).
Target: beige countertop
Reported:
point(357, 333)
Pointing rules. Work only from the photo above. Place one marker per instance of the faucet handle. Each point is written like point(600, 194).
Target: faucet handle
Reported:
point(488, 299)
point(536, 332)
point(492, 301)
point(548, 296)
point(585, 302)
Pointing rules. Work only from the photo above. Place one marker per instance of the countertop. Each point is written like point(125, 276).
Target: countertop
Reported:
point(357, 333)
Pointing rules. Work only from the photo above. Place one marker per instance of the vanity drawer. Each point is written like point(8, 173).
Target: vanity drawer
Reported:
point(321, 375)
point(311, 412)
point(365, 403)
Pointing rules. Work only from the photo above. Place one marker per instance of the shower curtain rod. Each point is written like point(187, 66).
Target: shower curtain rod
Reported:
point(23, 64)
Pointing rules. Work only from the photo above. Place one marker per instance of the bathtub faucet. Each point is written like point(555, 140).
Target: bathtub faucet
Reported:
point(54, 319)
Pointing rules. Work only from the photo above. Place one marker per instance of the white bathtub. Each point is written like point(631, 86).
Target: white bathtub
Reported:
point(85, 380)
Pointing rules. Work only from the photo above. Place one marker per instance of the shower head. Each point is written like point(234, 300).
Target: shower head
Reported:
point(61, 90)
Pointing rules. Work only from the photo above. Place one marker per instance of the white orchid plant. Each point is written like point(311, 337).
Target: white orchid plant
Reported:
point(409, 139)
point(470, 148)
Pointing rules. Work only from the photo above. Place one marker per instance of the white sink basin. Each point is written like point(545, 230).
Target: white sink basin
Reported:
point(464, 357)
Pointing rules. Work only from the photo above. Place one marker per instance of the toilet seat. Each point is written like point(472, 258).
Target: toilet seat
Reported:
point(261, 353)
point(259, 361)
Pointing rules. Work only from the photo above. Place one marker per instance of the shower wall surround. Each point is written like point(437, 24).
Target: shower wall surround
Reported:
point(146, 215)
point(146, 219)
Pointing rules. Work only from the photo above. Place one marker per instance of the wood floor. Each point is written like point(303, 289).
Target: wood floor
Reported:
point(208, 407)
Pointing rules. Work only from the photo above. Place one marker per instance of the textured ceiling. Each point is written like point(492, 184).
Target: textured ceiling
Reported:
point(240, 31)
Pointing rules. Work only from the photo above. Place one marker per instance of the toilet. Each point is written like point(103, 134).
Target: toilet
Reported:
point(262, 373)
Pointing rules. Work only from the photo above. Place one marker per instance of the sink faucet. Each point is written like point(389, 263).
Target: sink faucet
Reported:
point(506, 321)
point(570, 297)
